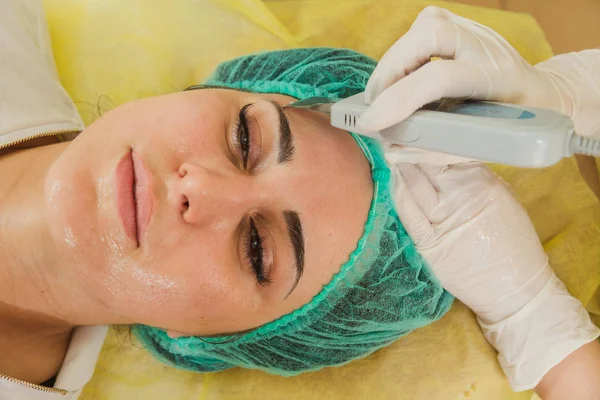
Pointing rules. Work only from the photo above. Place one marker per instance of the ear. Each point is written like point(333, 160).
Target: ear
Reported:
point(175, 334)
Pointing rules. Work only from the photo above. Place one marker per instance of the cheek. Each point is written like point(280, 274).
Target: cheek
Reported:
point(210, 273)
point(141, 290)
point(191, 282)
point(181, 129)
point(190, 134)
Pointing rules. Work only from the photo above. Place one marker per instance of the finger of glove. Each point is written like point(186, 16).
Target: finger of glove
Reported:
point(436, 33)
point(461, 181)
point(461, 192)
point(424, 39)
point(423, 192)
point(403, 154)
point(573, 88)
point(410, 213)
point(443, 78)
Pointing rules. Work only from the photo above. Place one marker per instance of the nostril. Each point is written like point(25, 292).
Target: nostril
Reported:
point(184, 204)
point(182, 171)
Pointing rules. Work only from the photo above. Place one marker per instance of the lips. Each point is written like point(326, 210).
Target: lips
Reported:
point(125, 192)
point(134, 200)
point(143, 196)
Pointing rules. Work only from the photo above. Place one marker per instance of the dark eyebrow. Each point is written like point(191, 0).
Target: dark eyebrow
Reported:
point(294, 227)
point(286, 140)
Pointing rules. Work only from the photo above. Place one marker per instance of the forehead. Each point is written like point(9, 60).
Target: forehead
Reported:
point(333, 190)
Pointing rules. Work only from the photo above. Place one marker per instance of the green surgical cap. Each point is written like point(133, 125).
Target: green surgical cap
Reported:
point(385, 289)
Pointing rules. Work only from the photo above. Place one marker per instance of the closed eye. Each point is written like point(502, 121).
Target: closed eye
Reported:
point(254, 249)
point(246, 139)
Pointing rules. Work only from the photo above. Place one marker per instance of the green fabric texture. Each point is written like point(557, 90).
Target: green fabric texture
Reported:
point(385, 289)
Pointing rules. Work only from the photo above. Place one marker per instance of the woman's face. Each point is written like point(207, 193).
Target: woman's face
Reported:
point(209, 211)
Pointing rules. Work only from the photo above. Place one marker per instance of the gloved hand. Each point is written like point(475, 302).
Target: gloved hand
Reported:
point(482, 246)
point(477, 63)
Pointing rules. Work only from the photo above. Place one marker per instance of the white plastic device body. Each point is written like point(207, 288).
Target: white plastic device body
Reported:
point(484, 131)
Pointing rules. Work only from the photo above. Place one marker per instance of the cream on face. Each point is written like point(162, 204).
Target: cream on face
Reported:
point(230, 212)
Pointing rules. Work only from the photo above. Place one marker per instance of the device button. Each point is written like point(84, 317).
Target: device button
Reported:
point(404, 132)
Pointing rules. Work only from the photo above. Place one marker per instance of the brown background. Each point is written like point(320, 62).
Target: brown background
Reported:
point(570, 25)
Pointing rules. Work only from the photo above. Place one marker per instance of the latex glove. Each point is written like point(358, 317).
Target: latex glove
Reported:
point(477, 63)
point(482, 246)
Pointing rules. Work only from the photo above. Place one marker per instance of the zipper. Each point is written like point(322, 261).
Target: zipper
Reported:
point(37, 136)
point(34, 386)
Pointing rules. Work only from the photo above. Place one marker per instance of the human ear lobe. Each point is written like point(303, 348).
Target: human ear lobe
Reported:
point(175, 334)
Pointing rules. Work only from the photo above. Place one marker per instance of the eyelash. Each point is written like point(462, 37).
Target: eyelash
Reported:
point(254, 243)
point(243, 136)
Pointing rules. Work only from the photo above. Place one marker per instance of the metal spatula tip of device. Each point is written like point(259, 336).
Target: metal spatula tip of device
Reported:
point(321, 104)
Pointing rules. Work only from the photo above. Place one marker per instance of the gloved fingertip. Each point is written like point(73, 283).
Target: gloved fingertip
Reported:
point(433, 11)
point(370, 92)
point(367, 123)
point(376, 120)
point(366, 118)
point(368, 97)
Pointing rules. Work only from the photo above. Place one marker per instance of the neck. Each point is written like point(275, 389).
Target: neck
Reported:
point(36, 289)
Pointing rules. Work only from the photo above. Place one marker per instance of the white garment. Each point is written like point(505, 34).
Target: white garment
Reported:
point(33, 103)
point(32, 100)
point(76, 371)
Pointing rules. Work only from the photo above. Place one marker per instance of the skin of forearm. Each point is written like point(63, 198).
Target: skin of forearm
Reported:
point(577, 377)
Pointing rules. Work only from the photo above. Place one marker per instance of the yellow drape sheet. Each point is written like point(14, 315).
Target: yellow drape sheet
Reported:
point(112, 51)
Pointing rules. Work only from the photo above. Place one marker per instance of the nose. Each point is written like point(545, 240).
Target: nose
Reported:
point(206, 195)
